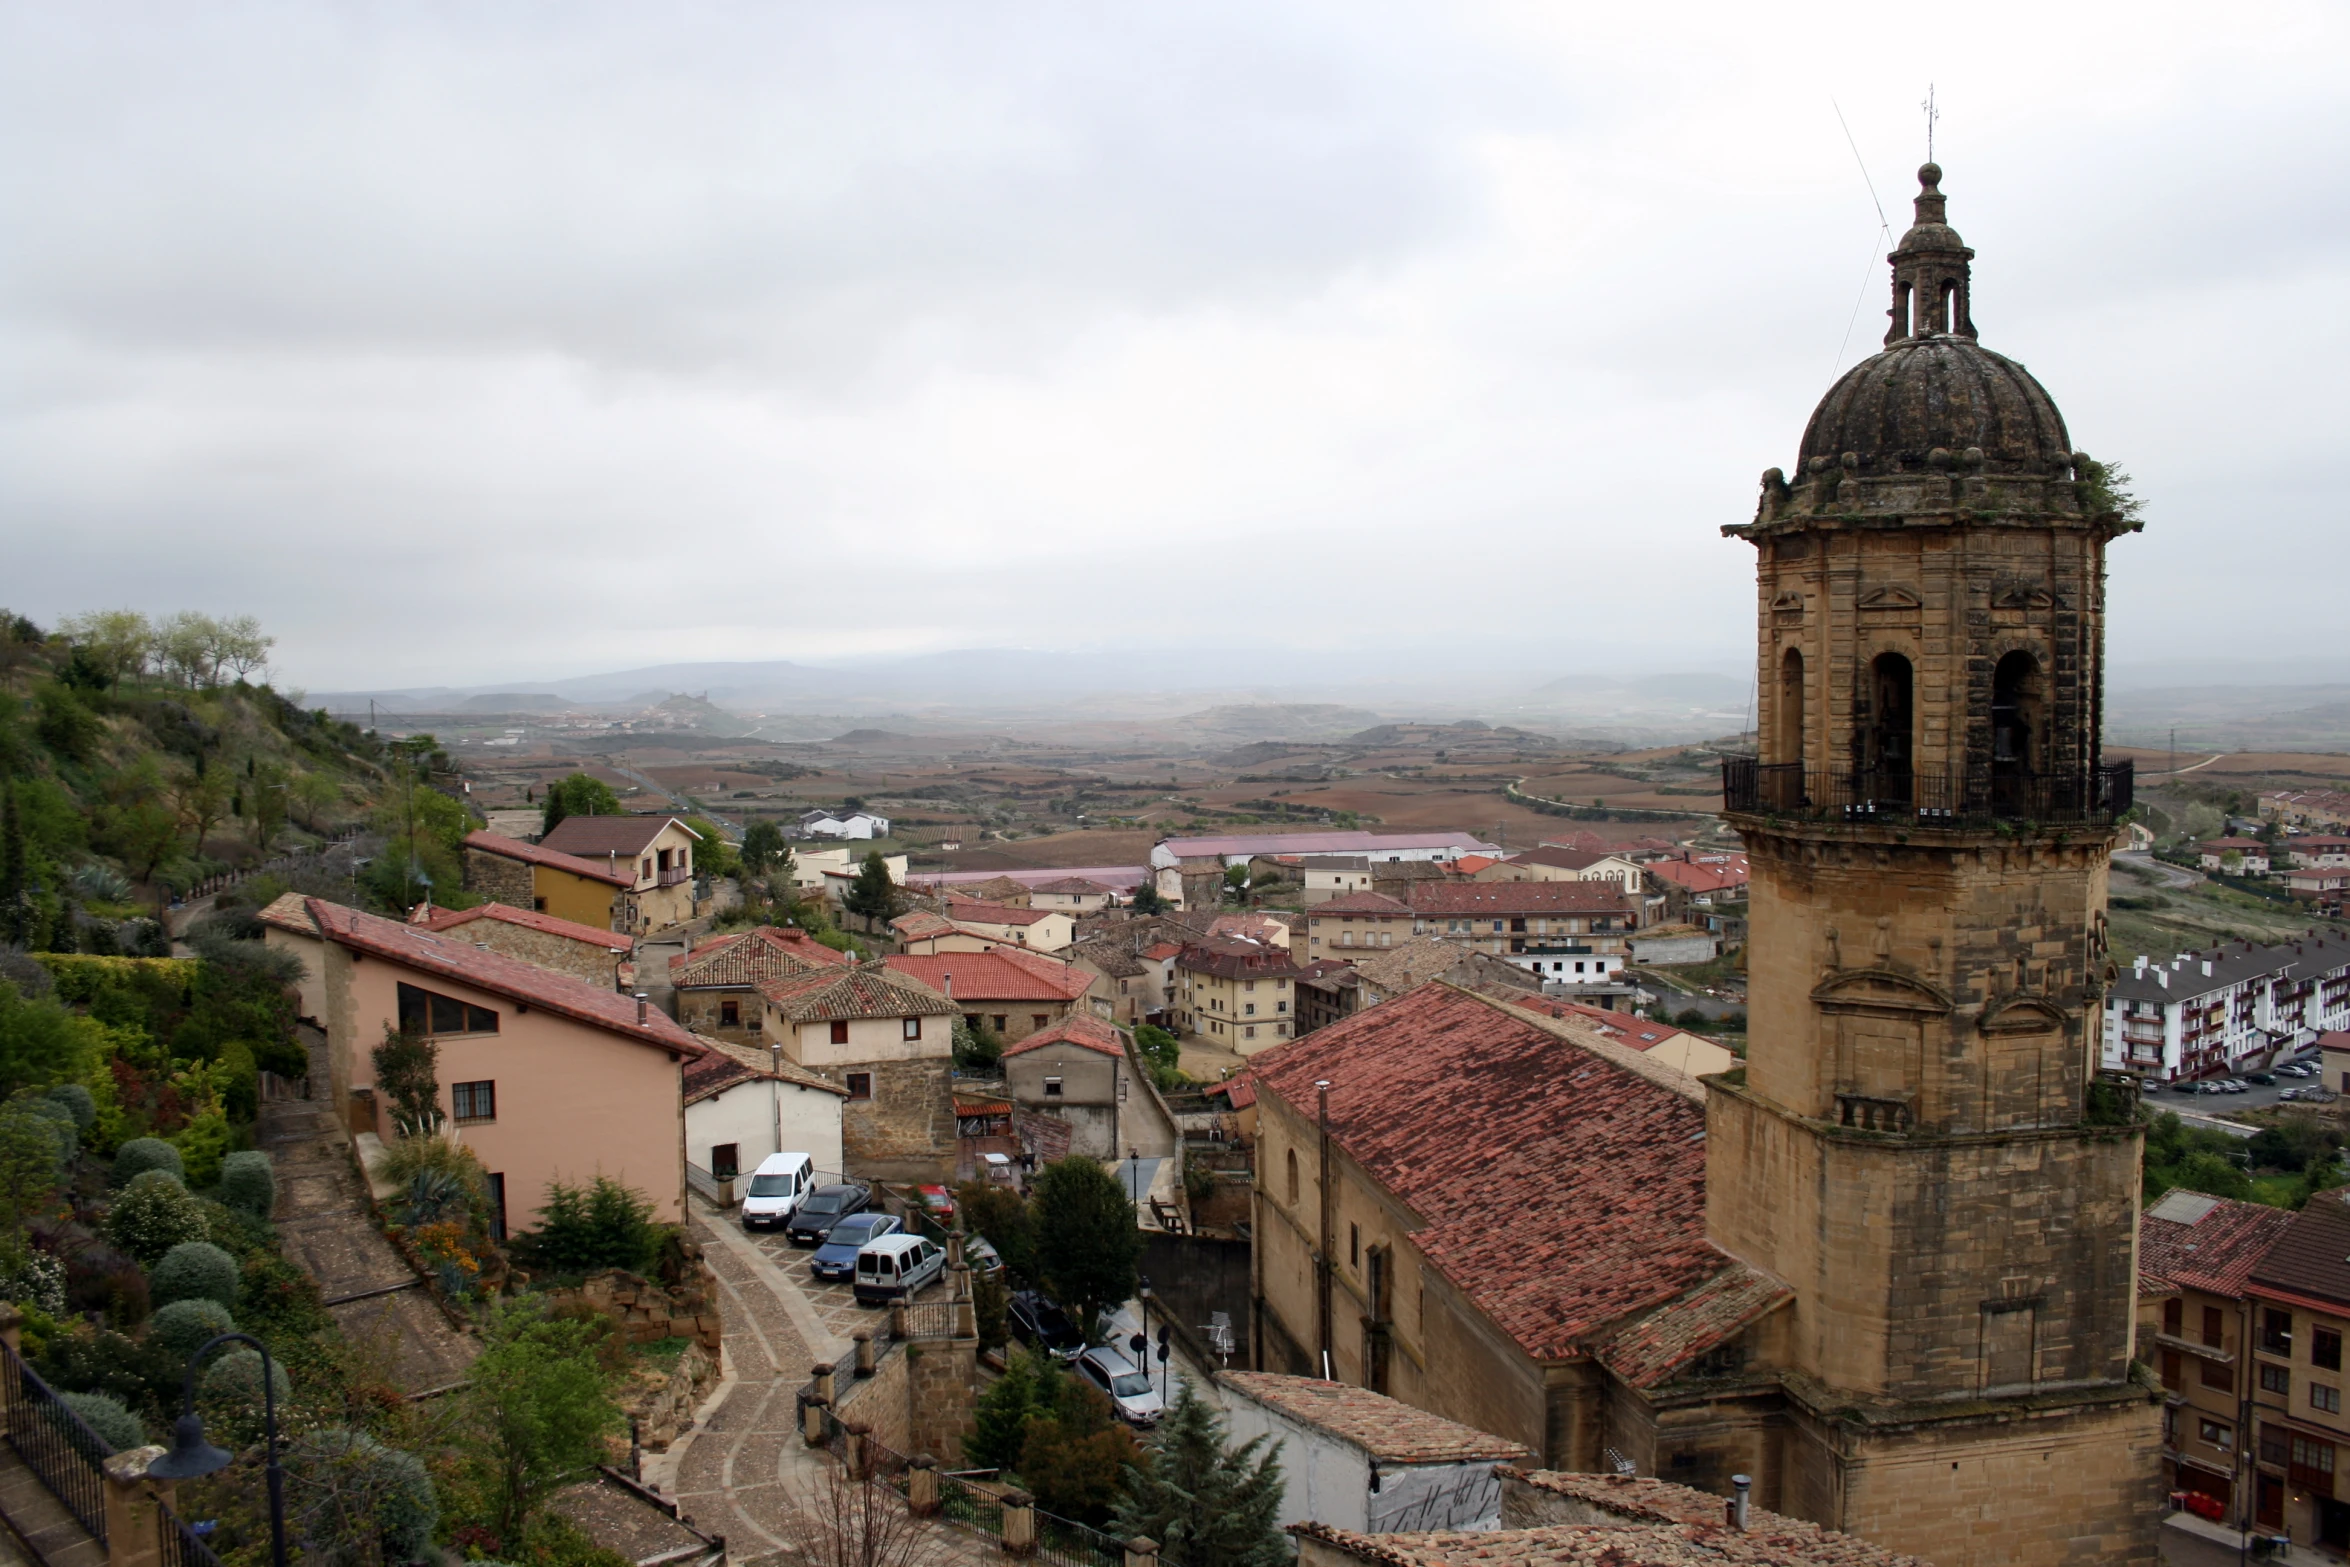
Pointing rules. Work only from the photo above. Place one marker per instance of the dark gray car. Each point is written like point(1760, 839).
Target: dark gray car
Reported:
point(825, 1207)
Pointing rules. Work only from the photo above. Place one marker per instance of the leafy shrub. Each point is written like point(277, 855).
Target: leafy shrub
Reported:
point(249, 1183)
point(142, 1154)
point(105, 1415)
point(606, 1225)
point(203, 1143)
point(411, 1157)
point(101, 1279)
point(182, 1327)
point(356, 1501)
point(60, 1120)
point(195, 1270)
point(38, 1280)
point(78, 1103)
point(278, 1300)
point(432, 1197)
point(236, 1378)
point(96, 1360)
point(154, 1214)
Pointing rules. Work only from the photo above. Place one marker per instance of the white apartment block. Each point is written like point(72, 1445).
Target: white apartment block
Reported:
point(2234, 1008)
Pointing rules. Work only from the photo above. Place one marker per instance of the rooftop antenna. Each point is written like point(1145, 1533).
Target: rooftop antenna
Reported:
point(1932, 114)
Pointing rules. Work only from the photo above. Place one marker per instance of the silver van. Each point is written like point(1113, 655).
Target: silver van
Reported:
point(776, 1190)
point(895, 1266)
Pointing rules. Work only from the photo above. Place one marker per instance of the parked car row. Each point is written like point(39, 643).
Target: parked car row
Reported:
point(2250, 1080)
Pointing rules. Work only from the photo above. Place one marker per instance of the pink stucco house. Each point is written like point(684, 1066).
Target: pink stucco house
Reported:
point(545, 1077)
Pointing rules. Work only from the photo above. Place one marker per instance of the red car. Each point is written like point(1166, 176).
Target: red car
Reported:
point(938, 1200)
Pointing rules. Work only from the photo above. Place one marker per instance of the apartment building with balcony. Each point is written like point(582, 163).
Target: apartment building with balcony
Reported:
point(2195, 1257)
point(1236, 993)
point(2234, 1008)
point(661, 850)
point(1505, 917)
point(2299, 1299)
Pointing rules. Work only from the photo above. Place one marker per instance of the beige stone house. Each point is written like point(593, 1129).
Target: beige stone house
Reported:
point(1012, 991)
point(1038, 929)
point(1355, 924)
point(889, 1041)
point(1126, 990)
point(597, 893)
point(1071, 895)
point(1235, 993)
point(717, 983)
point(1083, 1073)
point(661, 848)
point(1330, 876)
point(543, 1076)
point(600, 957)
point(923, 932)
point(1512, 916)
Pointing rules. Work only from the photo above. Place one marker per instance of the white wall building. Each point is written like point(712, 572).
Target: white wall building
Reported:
point(2234, 1008)
point(745, 1102)
point(843, 824)
point(1355, 1459)
point(1440, 847)
point(1567, 965)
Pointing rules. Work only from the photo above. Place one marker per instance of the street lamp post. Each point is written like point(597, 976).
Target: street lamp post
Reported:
point(191, 1457)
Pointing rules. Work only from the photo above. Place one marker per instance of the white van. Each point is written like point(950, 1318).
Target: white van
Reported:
point(776, 1190)
point(895, 1266)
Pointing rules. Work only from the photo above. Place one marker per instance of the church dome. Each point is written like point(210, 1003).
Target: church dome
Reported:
point(1941, 391)
point(1934, 387)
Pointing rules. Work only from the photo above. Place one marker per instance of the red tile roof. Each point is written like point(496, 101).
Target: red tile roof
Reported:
point(1160, 951)
point(1471, 864)
point(741, 960)
point(1075, 885)
point(1437, 899)
point(1651, 1347)
point(1634, 1033)
point(2216, 1250)
point(554, 860)
point(1075, 1029)
point(1237, 959)
point(1560, 857)
point(495, 972)
point(1003, 974)
point(1702, 875)
point(1361, 903)
point(1239, 1092)
point(724, 1064)
point(866, 991)
point(921, 925)
point(529, 919)
point(1573, 1193)
point(589, 836)
point(1390, 1431)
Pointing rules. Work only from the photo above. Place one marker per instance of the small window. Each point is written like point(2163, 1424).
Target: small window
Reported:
point(429, 1012)
point(2322, 1397)
point(913, 1028)
point(840, 1032)
point(2276, 1379)
point(726, 1161)
point(1252, 1031)
point(1038, 1019)
point(860, 1085)
point(2325, 1348)
point(1001, 1021)
point(1249, 1009)
point(474, 1101)
point(1354, 1245)
point(1052, 1088)
point(1293, 1177)
point(2276, 1331)
point(1248, 984)
point(730, 1014)
point(2218, 1435)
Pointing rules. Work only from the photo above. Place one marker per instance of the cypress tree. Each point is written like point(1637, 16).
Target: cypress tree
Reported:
point(1206, 1503)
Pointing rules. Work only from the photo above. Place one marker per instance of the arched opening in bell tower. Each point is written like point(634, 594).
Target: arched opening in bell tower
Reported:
point(1887, 750)
point(1789, 746)
point(2015, 730)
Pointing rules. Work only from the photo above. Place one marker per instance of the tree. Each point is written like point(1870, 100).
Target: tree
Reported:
point(119, 642)
point(538, 1410)
point(873, 894)
point(845, 1519)
point(1076, 1452)
point(578, 795)
point(1086, 1240)
point(999, 1420)
point(241, 646)
point(999, 1216)
point(1236, 880)
point(1147, 899)
point(28, 1168)
point(407, 1069)
point(1164, 1054)
point(1208, 1504)
point(713, 855)
point(16, 906)
point(203, 795)
point(978, 1047)
point(762, 846)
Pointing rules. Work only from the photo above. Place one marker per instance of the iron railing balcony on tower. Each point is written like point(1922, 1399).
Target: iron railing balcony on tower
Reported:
point(1898, 798)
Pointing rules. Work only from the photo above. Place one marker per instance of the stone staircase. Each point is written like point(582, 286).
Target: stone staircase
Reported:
point(40, 1531)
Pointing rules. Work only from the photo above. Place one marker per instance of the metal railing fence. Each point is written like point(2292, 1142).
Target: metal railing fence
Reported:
point(56, 1444)
point(1063, 1542)
point(1926, 799)
point(182, 1546)
point(959, 1501)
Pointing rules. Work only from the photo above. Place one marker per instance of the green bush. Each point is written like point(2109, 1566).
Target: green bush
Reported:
point(60, 1121)
point(356, 1501)
point(203, 1143)
point(114, 1425)
point(153, 1214)
point(183, 1326)
point(142, 1154)
point(78, 1103)
point(248, 1183)
point(236, 1378)
point(607, 1225)
point(195, 1270)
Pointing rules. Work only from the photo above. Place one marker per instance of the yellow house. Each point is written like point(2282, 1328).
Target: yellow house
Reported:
point(533, 876)
point(656, 851)
point(1236, 993)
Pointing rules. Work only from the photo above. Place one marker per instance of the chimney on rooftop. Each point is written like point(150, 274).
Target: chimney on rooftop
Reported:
point(640, 1009)
point(1741, 1487)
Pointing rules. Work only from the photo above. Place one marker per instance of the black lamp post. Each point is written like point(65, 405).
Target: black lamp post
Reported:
point(191, 1457)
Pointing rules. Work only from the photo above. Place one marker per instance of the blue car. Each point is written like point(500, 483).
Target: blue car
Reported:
point(837, 1257)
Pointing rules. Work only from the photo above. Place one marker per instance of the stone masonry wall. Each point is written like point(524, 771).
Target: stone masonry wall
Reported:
point(499, 879)
point(907, 1128)
point(595, 965)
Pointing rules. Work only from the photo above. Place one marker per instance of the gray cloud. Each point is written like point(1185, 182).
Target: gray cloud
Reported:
point(492, 342)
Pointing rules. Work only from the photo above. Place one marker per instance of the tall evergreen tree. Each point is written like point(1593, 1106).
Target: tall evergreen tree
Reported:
point(762, 846)
point(1207, 1503)
point(1086, 1241)
point(873, 894)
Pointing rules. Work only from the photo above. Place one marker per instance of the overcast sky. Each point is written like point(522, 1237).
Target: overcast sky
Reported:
point(480, 342)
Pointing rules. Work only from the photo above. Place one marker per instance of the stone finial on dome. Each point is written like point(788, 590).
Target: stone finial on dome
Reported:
point(1930, 270)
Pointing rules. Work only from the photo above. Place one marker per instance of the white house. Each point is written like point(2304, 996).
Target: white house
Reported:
point(1359, 1460)
point(744, 1102)
point(1567, 964)
point(843, 824)
point(2233, 1008)
point(1440, 847)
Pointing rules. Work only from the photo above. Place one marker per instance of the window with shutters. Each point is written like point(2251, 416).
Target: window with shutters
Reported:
point(428, 1012)
point(2218, 1373)
point(840, 1032)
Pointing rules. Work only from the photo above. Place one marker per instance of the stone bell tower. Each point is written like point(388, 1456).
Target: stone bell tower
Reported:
point(1920, 1146)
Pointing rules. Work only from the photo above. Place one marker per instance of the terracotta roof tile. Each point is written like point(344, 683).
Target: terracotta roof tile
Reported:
point(588, 836)
point(922, 925)
point(1160, 951)
point(2311, 1257)
point(970, 911)
point(1003, 974)
point(1229, 958)
point(728, 1063)
point(553, 859)
point(1702, 875)
point(290, 911)
point(499, 974)
point(1076, 886)
point(1438, 899)
point(1387, 1430)
point(866, 991)
point(2215, 1250)
point(1361, 903)
point(1417, 961)
point(1571, 1196)
point(741, 960)
point(1111, 958)
point(529, 919)
point(1075, 1029)
point(1651, 1347)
